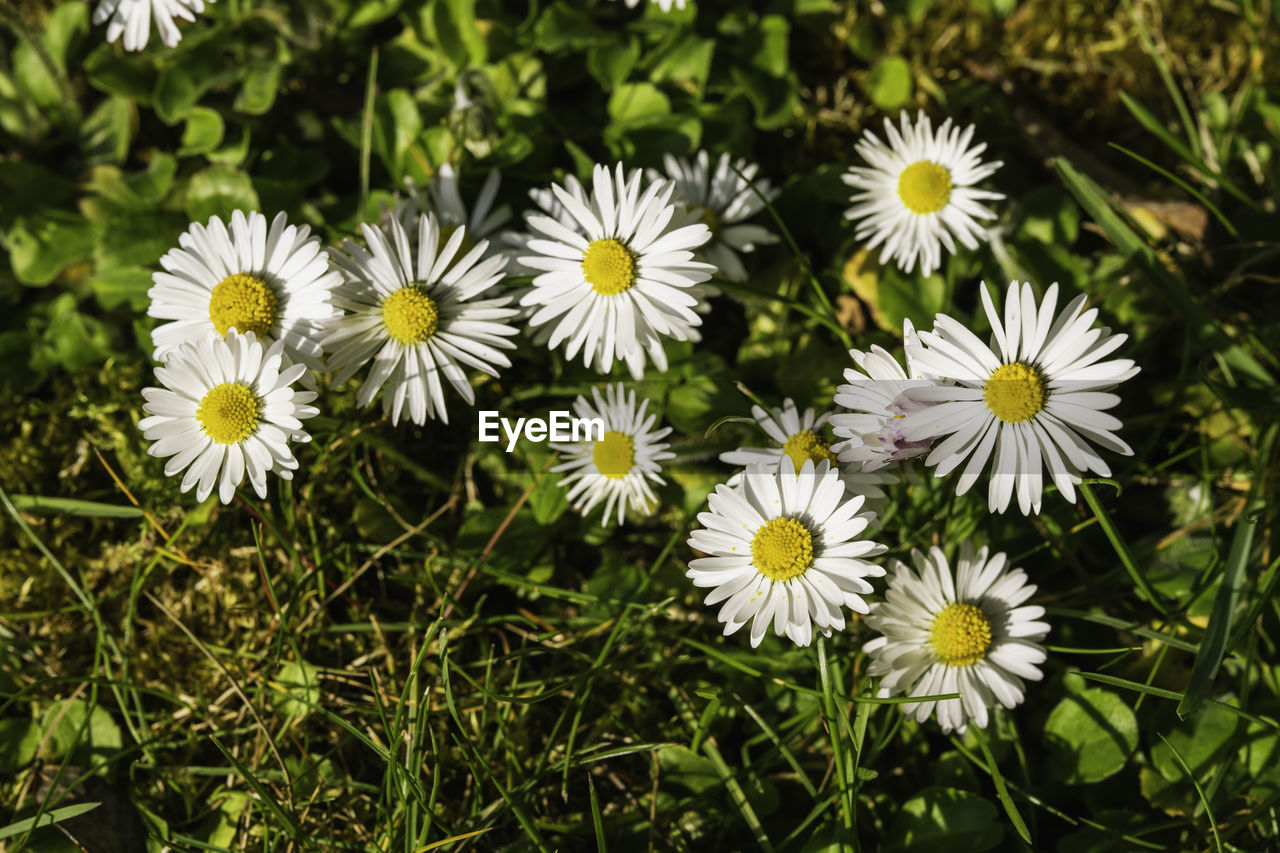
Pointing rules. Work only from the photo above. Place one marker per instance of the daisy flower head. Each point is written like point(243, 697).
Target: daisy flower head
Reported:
point(275, 282)
point(443, 198)
point(799, 437)
point(1035, 396)
point(617, 461)
point(226, 411)
point(413, 313)
point(785, 548)
point(132, 19)
point(969, 634)
point(616, 283)
point(664, 5)
point(874, 395)
point(916, 194)
point(723, 199)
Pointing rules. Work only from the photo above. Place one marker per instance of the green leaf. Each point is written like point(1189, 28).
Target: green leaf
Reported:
point(43, 245)
point(1049, 216)
point(680, 765)
point(562, 25)
point(122, 286)
point(202, 132)
point(258, 91)
point(19, 738)
point(687, 60)
point(889, 83)
point(548, 500)
point(611, 63)
point(219, 190)
point(76, 728)
point(119, 74)
point(944, 818)
point(68, 506)
point(67, 23)
point(1091, 735)
point(637, 103)
point(915, 298)
point(370, 12)
point(296, 689)
point(104, 135)
point(177, 91)
point(396, 124)
point(451, 25)
point(769, 46)
point(1202, 740)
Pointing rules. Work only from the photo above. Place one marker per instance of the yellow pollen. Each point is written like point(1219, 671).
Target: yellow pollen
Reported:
point(1015, 392)
point(782, 549)
point(805, 445)
point(410, 315)
point(609, 267)
point(446, 234)
point(924, 187)
point(614, 454)
point(706, 216)
point(960, 634)
point(229, 413)
point(244, 301)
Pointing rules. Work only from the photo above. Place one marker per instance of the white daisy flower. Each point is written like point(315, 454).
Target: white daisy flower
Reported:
point(616, 283)
point(784, 549)
point(416, 317)
point(722, 199)
point(969, 635)
point(132, 18)
point(618, 464)
point(226, 411)
point(916, 193)
point(664, 5)
point(1035, 396)
point(273, 282)
point(799, 438)
point(443, 197)
point(872, 430)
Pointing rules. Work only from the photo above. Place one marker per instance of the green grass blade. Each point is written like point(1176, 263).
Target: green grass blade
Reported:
point(1161, 693)
point(47, 819)
point(597, 819)
point(71, 506)
point(1002, 790)
point(1214, 645)
point(1190, 190)
point(1182, 762)
point(1121, 549)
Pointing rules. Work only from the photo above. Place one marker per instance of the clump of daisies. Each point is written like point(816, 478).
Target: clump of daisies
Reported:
point(617, 462)
point(969, 633)
point(916, 195)
point(724, 197)
point(1034, 398)
point(615, 282)
point(785, 548)
point(226, 410)
point(273, 281)
point(132, 19)
point(412, 312)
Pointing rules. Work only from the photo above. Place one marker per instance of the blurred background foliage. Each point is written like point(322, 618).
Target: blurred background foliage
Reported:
point(278, 674)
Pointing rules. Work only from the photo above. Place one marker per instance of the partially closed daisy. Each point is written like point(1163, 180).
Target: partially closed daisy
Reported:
point(872, 429)
point(723, 199)
point(132, 19)
point(275, 282)
point(227, 411)
point(969, 634)
point(800, 437)
point(616, 284)
point(616, 463)
point(443, 197)
point(1035, 397)
point(785, 549)
point(916, 194)
point(413, 312)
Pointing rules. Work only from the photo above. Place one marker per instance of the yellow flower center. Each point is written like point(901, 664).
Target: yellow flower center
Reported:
point(410, 315)
point(805, 445)
point(614, 454)
point(782, 549)
point(706, 216)
point(447, 232)
point(924, 187)
point(960, 634)
point(244, 301)
point(609, 267)
point(229, 413)
point(1015, 392)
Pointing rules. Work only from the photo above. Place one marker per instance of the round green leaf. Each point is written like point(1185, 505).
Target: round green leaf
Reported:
point(944, 818)
point(203, 131)
point(219, 190)
point(1091, 735)
point(889, 84)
